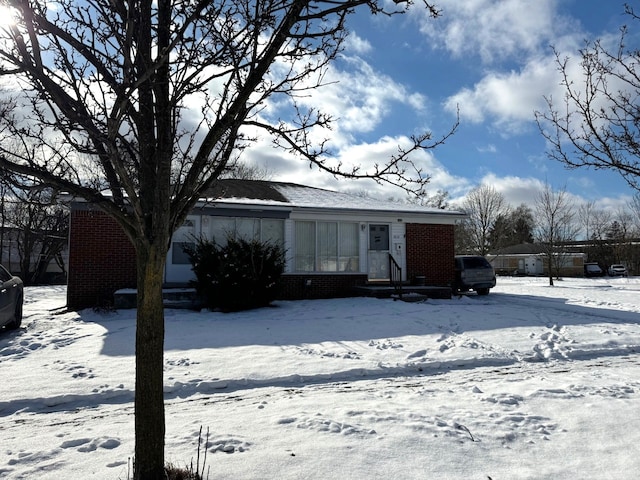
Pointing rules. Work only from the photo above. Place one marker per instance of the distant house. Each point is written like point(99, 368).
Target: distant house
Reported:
point(333, 241)
point(530, 259)
point(48, 254)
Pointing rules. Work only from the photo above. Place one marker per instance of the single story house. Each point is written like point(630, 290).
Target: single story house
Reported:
point(333, 241)
point(530, 259)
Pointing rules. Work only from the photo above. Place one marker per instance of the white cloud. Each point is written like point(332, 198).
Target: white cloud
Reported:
point(494, 30)
point(519, 190)
point(516, 190)
point(289, 169)
point(354, 44)
point(361, 98)
point(357, 97)
point(491, 148)
point(508, 99)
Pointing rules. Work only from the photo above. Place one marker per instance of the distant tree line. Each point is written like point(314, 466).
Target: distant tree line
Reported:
point(556, 223)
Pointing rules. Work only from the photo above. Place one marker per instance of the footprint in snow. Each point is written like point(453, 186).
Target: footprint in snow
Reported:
point(419, 353)
point(227, 445)
point(89, 445)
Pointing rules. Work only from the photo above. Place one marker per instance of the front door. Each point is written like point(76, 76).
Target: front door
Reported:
point(378, 252)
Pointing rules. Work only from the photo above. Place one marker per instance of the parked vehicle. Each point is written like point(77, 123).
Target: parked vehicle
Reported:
point(11, 298)
point(617, 270)
point(592, 269)
point(473, 272)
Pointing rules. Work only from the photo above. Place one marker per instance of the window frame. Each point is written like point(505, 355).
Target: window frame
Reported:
point(327, 254)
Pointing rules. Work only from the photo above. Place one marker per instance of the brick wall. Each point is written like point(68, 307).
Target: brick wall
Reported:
point(101, 260)
point(297, 286)
point(430, 252)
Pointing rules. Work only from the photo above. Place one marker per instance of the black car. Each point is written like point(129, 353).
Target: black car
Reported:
point(11, 297)
point(473, 272)
point(592, 269)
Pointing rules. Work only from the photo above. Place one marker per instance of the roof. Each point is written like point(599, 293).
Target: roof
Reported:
point(525, 249)
point(246, 189)
point(260, 192)
point(521, 249)
point(237, 193)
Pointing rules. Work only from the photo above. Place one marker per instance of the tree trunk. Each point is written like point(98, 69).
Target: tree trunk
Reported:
point(149, 398)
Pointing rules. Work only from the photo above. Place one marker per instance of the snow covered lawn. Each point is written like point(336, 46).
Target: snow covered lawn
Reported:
point(529, 382)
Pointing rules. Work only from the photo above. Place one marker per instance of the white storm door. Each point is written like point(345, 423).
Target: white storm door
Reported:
point(378, 257)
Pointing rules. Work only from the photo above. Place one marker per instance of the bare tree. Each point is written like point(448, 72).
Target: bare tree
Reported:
point(556, 225)
point(111, 80)
point(585, 214)
point(597, 122)
point(594, 222)
point(39, 224)
point(439, 200)
point(621, 232)
point(634, 208)
point(243, 171)
point(483, 205)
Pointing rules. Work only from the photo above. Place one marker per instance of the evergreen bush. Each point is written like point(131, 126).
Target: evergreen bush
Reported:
point(240, 275)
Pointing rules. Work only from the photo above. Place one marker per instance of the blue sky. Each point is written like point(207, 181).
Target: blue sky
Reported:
point(492, 59)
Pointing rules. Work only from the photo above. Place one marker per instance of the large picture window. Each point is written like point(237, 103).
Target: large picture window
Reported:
point(262, 229)
point(326, 247)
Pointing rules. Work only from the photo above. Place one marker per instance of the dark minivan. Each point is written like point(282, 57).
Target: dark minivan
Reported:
point(473, 272)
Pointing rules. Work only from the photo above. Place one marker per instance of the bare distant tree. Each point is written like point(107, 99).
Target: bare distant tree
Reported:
point(585, 215)
point(634, 208)
point(112, 80)
point(484, 205)
point(596, 123)
point(439, 200)
point(621, 231)
point(556, 225)
point(243, 171)
point(40, 226)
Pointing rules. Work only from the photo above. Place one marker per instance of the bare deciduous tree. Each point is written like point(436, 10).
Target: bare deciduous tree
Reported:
point(111, 80)
point(483, 205)
point(40, 226)
point(556, 225)
point(634, 208)
point(597, 124)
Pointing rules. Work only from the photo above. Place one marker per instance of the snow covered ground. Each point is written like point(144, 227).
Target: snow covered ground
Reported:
point(530, 382)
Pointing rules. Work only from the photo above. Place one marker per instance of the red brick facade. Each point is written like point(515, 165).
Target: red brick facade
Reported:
point(101, 260)
point(430, 253)
point(315, 285)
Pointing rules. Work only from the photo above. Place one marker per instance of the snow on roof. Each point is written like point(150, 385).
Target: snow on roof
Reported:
point(258, 192)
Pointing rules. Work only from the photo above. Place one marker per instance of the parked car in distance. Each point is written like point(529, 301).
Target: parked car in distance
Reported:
point(11, 298)
point(592, 269)
point(617, 270)
point(473, 272)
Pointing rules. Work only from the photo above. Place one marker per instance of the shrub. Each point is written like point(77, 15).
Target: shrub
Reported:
point(240, 275)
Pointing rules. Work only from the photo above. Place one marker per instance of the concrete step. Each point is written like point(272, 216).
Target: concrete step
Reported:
point(172, 298)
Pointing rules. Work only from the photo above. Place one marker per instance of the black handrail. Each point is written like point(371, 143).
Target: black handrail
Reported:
point(395, 276)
